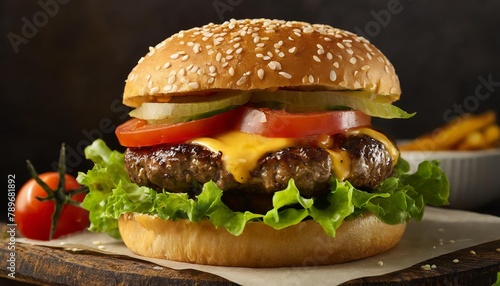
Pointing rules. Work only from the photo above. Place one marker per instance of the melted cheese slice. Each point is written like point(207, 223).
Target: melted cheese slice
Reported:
point(241, 151)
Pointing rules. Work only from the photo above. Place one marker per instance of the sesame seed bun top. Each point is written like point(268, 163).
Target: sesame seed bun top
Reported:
point(260, 54)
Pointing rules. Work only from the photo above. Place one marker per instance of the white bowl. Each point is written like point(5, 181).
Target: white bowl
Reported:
point(474, 175)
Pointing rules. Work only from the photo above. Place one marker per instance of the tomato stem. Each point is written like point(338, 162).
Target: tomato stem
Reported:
point(59, 195)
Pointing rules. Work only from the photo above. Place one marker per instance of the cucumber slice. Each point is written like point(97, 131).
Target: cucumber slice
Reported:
point(181, 109)
point(302, 101)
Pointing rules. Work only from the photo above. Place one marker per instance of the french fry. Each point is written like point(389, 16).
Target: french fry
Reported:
point(451, 135)
point(489, 137)
point(492, 135)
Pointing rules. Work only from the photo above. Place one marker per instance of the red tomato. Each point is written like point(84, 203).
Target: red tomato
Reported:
point(137, 132)
point(34, 217)
point(280, 123)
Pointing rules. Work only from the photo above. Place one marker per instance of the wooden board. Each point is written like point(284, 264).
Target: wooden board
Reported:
point(53, 266)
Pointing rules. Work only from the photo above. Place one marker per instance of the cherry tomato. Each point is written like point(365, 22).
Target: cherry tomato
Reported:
point(34, 217)
point(280, 123)
point(136, 132)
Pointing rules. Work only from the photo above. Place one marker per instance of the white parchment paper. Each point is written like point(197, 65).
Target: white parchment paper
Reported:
point(441, 231)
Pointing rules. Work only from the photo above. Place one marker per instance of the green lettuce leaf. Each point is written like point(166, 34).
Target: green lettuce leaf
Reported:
point(396, 200)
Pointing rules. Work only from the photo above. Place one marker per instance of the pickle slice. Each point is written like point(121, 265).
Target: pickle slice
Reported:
point(304, 101)
point(181, 109)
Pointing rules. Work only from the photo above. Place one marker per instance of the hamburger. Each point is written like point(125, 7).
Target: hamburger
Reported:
point(251, 144)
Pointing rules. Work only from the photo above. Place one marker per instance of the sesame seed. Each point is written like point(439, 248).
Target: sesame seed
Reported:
point(336, 64)
point(369, 56)
point(184, 58)
point(386, 69)
point(340, 46)
point(308, 30)
point(218, 57)
point(329, 55)
point(174, 88)
point(285, 75)
point(230, 51)
point(353, 60)
point(212, 69)
point(333, 75)
point(174, 56)
point(211, 80)
point(256, 39)
point(297, 34)
point(196, 48)
point(357, 85)
point(321, 51)
point(239, 50)
point(304, 79)
point(274, 65)
point(154, 89)
point(356, 73)
point(292, 50)
point(260, 73)
point(311, 78)
point(290, 38)
point(349, 51)
point(182, 72)
point(193, 85)
point(281, 54)
point(260, 45)
point(266, 58)
point(259, 55)
point(241, 81)
point(231, 71)
point(327, 39)
point(365, 67)
point(167, 65)
point(167, 88)
point(148, 77)
point(171, 79)
point(211, 52)
point(225, 64)
point(316, 58)
point(194, 69)
point(140, 60)
point(319, 46)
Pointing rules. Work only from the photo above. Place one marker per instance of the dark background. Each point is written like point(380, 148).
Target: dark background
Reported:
point(63, 63)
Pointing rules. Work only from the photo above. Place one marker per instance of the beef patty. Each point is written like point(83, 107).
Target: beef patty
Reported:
point(186, 167)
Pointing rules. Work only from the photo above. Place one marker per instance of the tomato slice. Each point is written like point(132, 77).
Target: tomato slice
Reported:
point(280, 123)
point(137, 132)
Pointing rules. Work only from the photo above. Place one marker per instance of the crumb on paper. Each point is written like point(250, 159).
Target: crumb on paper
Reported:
point(433, 266)
point(101, 247)
point(62, 243)
point(380, 263)
point(73, 249)
point(157, 267)
point(452, 241)
point(473, 252)
point(440, 230)
point(96, 242)
point(456, 260)
point(426, 267)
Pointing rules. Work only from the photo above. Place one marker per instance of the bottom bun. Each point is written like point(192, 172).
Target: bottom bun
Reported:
point(304, 244)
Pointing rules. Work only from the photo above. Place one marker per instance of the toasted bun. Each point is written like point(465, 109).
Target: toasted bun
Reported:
point(259, 245)
point(260, 54)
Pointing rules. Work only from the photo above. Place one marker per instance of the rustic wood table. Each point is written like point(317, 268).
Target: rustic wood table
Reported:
point(41, 265)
